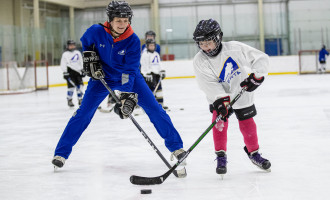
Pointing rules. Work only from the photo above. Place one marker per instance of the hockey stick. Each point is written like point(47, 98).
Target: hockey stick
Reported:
point(178, 173)
point(155, 90)
point(139, 180)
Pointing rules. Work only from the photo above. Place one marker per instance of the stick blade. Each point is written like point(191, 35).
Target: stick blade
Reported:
point(139, 180)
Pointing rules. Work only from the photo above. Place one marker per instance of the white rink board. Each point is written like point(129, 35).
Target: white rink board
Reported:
point(182, 68)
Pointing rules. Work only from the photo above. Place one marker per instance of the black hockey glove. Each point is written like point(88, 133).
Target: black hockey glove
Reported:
point(66, 75)
point(251, 83)
point(162, 74)
point(220, 106)
point(128, 102)
point(92, 65)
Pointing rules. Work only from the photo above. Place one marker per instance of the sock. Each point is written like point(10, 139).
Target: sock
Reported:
point(219, 137)
point(249, 130)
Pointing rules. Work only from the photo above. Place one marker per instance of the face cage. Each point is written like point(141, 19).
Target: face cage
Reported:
point(215, 51)
point(147, 46)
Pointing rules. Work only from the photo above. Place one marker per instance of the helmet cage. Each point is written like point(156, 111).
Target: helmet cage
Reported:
point(148, 42)
point(217, 38)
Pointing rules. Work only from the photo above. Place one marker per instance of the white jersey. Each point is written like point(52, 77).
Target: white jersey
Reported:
point(150, 62)
point(221, 75)
point(72, 59)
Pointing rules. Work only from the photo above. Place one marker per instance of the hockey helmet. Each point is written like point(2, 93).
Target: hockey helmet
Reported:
point(119, 9)
point(152, 33)
point(70, 42)
point(148, 42)
point(207, 30)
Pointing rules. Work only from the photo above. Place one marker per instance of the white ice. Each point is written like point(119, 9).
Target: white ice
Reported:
point(293, 127)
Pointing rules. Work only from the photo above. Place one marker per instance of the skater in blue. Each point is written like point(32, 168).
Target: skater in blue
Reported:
point(322, 60)
point(113, 50)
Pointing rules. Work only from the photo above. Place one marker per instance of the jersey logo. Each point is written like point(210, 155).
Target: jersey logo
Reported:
point(102, 45)
point(229, 70)
point(155, 60)
point(122, 52)
point(75, 58)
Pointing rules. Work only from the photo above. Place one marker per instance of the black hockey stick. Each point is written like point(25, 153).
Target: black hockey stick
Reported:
point(178, 173)
point(139, 180)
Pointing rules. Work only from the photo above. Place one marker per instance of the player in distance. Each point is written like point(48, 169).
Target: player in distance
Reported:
point(322, 59)
point(150, 35)
point(152, 71)
point(113, 50)
point(72, 67)
point(220, 73)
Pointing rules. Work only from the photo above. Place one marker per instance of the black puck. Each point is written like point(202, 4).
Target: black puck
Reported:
point(146, 191)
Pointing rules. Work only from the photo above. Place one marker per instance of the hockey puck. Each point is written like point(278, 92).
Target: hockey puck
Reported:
point(146, 191)
point(181, 108)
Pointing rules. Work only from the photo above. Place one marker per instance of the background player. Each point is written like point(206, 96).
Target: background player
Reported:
point(219, 68)
point(150, 35)
point(72, 66)
point(322, 59)
point(114, 50)
point(152, 71)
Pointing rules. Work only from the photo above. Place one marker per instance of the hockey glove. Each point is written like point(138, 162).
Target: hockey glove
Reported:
point(162, 74)
point(92, 65)
point(66, 75)
point(128, 102)
point(220, 106)
point(83, 74)
point(148, 78)
point(251, 83)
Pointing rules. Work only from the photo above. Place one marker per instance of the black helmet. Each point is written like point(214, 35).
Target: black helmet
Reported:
point(150, 33)
point(119, 9)
point(207, 30)
point(148, 42)
point(70, 42)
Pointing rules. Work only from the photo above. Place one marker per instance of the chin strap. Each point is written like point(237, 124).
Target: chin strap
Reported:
point(112, 30)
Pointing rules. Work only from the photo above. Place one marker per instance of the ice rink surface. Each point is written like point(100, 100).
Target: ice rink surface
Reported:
point(293, 127)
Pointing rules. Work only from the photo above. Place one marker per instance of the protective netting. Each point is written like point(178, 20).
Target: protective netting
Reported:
point(27, 78)
point(309, 62)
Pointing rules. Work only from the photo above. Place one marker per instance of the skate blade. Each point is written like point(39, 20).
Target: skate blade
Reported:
point(221, 175)
point(55, 168)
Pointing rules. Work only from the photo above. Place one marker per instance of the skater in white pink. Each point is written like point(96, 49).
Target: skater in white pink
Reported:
point(220, 69)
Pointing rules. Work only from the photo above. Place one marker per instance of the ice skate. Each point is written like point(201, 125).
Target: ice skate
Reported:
point(259, 161)
point(221, 163)
point(178, 154)
point(79, 101)
point(70, 104)
point(58, 162)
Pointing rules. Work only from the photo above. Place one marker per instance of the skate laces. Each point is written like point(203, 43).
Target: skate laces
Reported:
point(256, 157)
point(222, 161)
point(176, 153)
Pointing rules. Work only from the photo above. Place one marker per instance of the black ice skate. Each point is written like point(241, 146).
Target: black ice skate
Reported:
point(221, 162)
point(79, 101)
point(259, 161)
point(70, 104)
point(58, 162)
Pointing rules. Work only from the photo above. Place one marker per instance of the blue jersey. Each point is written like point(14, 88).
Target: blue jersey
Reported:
point(322, 54)
point(157, 48)
point(120, 57)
